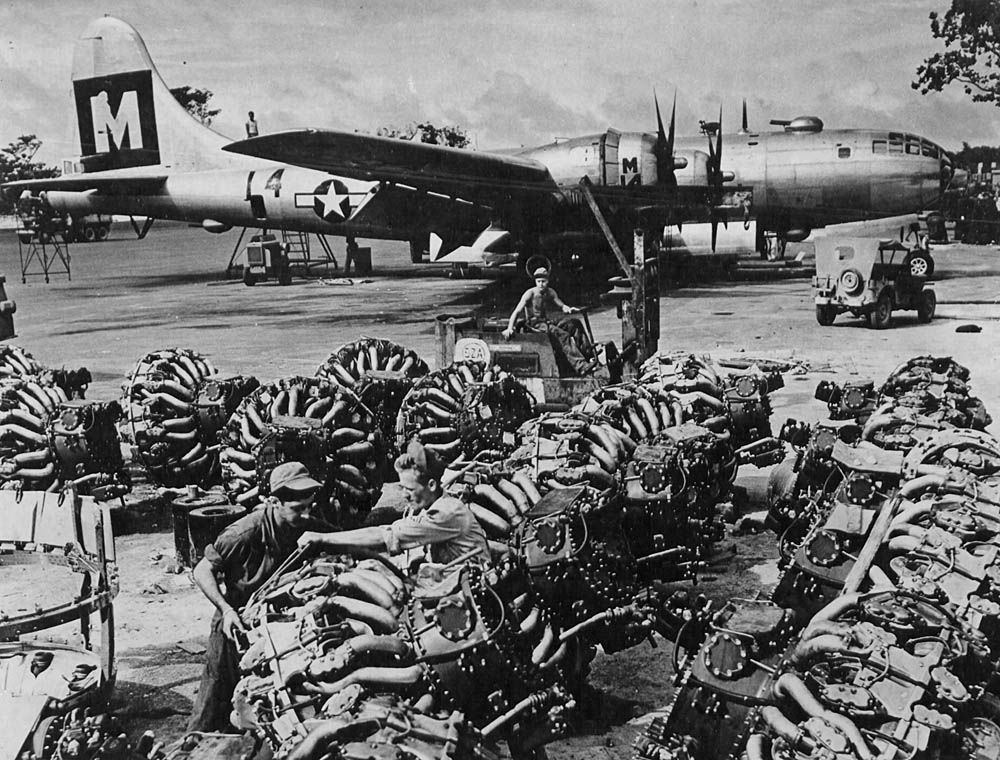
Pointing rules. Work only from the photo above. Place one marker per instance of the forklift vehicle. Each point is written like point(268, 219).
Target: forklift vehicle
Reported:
point(265, 257)
point(871, 278)
point(533, 357)
point(536, 359)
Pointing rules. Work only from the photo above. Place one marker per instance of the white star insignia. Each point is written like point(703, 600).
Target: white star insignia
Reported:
point(335, 203)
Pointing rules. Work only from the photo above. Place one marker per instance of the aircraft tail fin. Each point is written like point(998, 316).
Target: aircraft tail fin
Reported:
point(125, 114)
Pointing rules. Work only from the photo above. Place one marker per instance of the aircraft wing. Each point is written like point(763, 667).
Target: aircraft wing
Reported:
point(435, 168)
point(106, 183)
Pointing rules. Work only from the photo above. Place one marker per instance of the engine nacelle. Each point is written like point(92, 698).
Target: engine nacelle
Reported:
point(216, 228)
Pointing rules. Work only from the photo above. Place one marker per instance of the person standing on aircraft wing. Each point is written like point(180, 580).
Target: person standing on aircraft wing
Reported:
point(251, 125)
point(243, 557)
point(537, 304)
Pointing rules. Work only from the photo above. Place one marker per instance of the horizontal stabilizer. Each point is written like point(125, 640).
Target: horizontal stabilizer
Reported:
point(483, 251)
point(104, 183)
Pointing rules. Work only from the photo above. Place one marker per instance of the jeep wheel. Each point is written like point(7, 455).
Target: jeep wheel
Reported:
point(927, 306)
point(825, 314)
point(882, 315)
point(249, 279)
point(921, 264)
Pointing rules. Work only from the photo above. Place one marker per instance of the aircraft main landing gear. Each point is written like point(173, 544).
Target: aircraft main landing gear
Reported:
point(771, 246)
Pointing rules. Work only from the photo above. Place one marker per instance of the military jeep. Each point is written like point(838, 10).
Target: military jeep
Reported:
point(870, 278)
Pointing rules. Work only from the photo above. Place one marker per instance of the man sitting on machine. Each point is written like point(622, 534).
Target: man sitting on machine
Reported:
point(536, 305)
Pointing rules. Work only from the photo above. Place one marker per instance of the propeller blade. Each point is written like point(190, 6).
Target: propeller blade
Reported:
point(718, 148)
point(661, 136)
point(746, 124)
point(715, 231)
point(664, 149)
point(670, 137)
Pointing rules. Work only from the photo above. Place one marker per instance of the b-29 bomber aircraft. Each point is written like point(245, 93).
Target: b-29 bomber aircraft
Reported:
point(142, 154)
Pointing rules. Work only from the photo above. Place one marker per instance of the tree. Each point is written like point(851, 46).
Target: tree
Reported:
point(450, 136)
point(16, 163)
point(970, 156)
point(970, 30)
point(196, 103)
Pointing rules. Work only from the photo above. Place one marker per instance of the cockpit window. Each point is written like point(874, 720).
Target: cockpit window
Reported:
point(911, 145)
point(843, 152)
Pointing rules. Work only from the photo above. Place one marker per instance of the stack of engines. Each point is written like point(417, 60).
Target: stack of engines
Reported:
point(318, 423)
point(881, 638)
point(586, 512)
point(381, 373)
point(464, 409)
point(176, 403)
point(920, 397)
point(340, 636)
point(50, 437)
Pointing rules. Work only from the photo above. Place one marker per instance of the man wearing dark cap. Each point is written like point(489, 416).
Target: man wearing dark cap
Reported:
point(442, 524)
point(539, 305)
point(242, 558)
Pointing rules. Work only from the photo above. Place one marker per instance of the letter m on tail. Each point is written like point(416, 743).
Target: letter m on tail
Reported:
point(117, 121)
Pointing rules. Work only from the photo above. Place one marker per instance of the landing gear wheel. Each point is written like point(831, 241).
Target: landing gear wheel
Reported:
point(825, 314)
point(416, 251)
point(921, 264)
point(882, 315)
point(927, 306)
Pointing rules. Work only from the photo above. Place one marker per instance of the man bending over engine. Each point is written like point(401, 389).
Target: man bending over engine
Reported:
point(442, 524)
point(243, 557)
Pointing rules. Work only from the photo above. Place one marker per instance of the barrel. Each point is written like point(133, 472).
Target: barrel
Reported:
point(207, 522)
point(180, 508)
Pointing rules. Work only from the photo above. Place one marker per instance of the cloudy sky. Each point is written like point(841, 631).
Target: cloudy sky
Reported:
point(520, 72)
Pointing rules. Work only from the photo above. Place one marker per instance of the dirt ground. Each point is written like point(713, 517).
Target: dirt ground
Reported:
point(128, 297)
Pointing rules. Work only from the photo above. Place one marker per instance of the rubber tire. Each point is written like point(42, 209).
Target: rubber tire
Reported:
point(89, 234)
point(882, 314)
point(921, 264)
point(249, 279)
point(859, 285)
point(102, 232)
point(927, 305)
point(825, 314)
point(285, 277)
point(416, 252)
